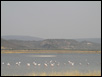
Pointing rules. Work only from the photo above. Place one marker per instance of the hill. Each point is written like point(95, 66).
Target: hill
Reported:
point(23, 38)
point(95, 40)
point(5, 44)
point(68, 44)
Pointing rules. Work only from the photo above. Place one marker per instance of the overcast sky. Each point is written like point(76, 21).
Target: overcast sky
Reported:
point(51, 19)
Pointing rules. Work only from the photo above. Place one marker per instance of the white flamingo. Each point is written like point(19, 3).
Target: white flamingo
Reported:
point(72, 64)
point(88, 63)
point(50, 61)
point(45, 64)
point(69, 62)
point(80, 63)
point(35, 63)
point(18, 63)
point(39, 64)
point(28, 64)
point(52, 64)
point(8, 64)
point(58, 64)
point(2, 62)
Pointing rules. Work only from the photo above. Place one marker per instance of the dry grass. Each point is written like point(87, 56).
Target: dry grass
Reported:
point(68, 73)
point(47, 51)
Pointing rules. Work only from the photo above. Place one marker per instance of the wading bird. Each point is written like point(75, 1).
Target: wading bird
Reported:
point(80, 63)
point(39, 64)
point(8, 64)
point(45, 64)
point(2, 62)
point(28, 64)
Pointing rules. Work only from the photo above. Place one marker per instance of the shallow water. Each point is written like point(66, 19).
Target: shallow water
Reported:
point(80, 63)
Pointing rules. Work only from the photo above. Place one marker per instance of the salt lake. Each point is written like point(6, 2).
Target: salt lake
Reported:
point(25, 63)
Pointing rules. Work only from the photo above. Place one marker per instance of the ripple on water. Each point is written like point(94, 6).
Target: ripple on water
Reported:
point(42, 55)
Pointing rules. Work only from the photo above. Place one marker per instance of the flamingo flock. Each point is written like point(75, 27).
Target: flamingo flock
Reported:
point(50, 63)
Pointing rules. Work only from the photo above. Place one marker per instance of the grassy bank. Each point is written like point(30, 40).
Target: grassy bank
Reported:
point(47, 51)
point(71, 73)
point(67, 73)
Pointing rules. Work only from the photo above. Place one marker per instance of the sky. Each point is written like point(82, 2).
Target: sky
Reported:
point(51, 19)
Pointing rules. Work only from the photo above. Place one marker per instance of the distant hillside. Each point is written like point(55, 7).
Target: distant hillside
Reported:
point(23, 38)
point(68, 44)
point(95, 40)
point(9, 45)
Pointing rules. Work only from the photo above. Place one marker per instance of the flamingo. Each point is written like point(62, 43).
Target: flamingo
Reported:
point(69, 62)
point(72, 64)
point(50, 61)
point(34, 62)
point(39, 64)
point(28, 64)
point(45, 64)
point(8, 64)
point(58, 64)
point(80, 63)
point(88, 63)
point(52, 64)
point(2, 62)
point(18, 63)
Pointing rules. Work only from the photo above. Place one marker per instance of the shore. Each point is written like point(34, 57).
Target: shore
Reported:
point(67, 73)
point(48, 51)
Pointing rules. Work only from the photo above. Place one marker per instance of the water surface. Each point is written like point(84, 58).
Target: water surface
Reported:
point(82, 62)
